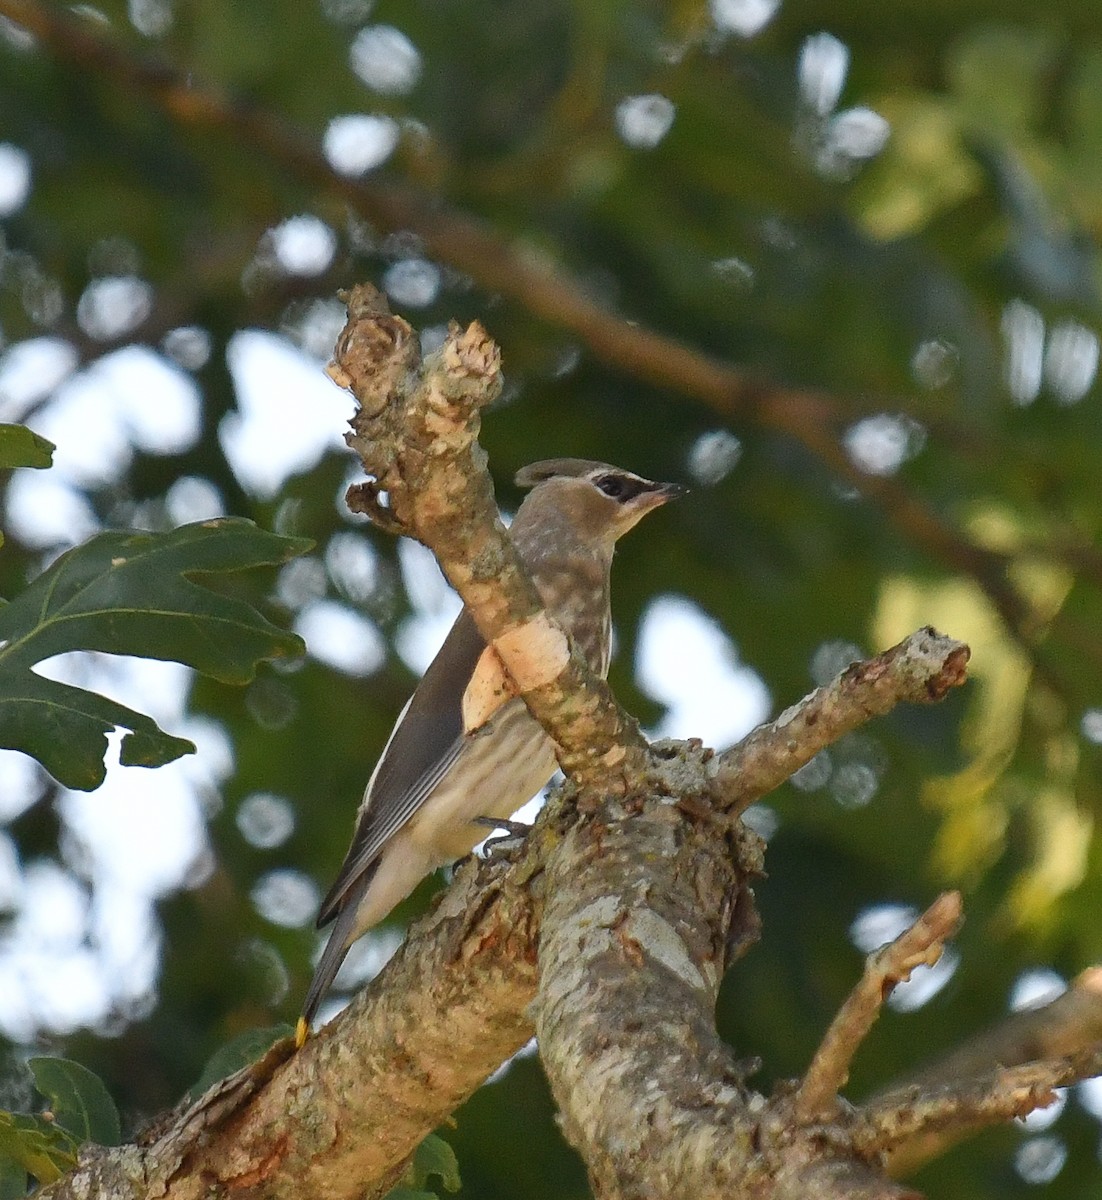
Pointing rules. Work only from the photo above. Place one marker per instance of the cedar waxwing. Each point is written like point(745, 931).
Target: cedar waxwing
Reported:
point(446, 765)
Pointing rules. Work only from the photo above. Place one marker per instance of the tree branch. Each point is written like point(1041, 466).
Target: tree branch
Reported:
point(910, 1116)
point(919, 670)
point(416, 433)
point(1053, 1030)
point(1047, 1038)
point(644, 881)
point(920, 945)
point(342, 1115)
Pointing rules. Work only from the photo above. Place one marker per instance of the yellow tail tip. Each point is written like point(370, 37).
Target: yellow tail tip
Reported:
point(302, 1032)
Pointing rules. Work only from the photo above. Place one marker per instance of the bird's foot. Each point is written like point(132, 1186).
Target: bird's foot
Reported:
point(517, 829)
point(302, 1032)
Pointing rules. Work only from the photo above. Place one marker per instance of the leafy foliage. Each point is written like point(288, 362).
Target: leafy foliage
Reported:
point(34, 1146)
point(44, 1145)
point(130, 593)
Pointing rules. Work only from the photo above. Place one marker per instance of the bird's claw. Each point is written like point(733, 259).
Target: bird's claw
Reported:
point(517, 829)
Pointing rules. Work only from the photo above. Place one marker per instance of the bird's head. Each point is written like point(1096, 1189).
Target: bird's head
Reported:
point(600, 502)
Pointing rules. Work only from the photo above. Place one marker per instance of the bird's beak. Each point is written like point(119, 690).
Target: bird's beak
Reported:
point(653, 498)
point(638, 506)
point(666, 492)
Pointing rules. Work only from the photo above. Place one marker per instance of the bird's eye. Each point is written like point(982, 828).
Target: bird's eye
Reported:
point(612, 486)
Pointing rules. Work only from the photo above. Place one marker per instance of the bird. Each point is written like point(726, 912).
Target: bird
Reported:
point(454, 760)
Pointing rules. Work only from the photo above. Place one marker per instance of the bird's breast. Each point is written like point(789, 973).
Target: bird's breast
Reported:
point(501, 767)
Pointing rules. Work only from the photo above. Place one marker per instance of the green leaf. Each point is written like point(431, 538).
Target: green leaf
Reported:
point(131, 593)
point(39, 1147)
point(237, 1053)
point(22, 447)
point(13, 1180)
point(435, 1157)
point(78, 1099)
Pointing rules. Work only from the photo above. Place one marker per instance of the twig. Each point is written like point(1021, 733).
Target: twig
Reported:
point(1054, 1031)
point(920, 945)
point(919, 670)
point(960, 1108)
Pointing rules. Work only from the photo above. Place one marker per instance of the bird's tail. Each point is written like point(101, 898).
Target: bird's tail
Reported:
point(330, 962)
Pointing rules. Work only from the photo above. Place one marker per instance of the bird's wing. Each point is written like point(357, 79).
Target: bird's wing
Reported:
point(425, 742)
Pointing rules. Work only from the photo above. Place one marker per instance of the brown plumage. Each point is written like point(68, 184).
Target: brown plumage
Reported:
point(438, 771)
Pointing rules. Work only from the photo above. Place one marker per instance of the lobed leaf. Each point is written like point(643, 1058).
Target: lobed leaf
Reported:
point(131, 593)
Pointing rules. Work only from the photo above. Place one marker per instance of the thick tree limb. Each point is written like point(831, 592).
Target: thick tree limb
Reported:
point(641, 910)
point(346, 1111)
point(640, 907)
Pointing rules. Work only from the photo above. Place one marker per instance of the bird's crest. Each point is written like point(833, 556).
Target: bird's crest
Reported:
point(558, 468)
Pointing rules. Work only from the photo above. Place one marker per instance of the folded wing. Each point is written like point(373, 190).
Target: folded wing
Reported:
point(423, 745)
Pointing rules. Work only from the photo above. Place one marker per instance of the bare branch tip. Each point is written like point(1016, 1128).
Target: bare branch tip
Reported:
point(947, 912)
point(374, 352)
point(953, 674)
point(472, 352)
point(364, 300)
point(941, 661)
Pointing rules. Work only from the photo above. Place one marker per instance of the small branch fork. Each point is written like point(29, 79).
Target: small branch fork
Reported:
point(921, 945)
point(608, 931)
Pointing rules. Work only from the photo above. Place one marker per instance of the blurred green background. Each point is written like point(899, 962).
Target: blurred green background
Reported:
point(888, 216)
